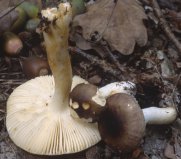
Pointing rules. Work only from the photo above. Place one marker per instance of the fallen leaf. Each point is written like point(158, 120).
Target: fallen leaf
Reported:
point(7, 20)
point(119, 22)
point(96, 79)
point(81, 42)
point(175, 17)
point(3, 5)
point(9, 14)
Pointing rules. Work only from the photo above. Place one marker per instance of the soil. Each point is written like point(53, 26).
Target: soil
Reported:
point(154, 68)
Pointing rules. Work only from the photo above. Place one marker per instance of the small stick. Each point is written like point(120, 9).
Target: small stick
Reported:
point(12, 80)
point(2, 14)
point(106, 48)
point(165, 26)
point(2, 111)
point(13, 73)
point(101, 63)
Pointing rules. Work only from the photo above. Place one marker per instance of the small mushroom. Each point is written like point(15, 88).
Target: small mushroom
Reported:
point(82, 103)
point(35, 66)
point(38, 114)
point(122, 124)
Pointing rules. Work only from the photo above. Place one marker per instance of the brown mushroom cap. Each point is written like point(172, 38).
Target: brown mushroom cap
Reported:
point(82, 102)
point(122, 124)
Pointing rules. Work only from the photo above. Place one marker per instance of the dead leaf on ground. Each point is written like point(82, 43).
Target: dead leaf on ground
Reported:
point(8, 14)
point(8, 20)
point(119, 23)
point(4, 4)
point(175, 17)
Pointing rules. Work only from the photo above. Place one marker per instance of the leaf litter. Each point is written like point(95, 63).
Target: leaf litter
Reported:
point(120, 23)
point(154, 68)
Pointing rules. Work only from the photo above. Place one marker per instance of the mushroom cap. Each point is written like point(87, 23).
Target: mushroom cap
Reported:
point(82, 102)
point(37, 129)
point(121, 124)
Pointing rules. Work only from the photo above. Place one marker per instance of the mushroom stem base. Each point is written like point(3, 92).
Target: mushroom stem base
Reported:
point(154, 115)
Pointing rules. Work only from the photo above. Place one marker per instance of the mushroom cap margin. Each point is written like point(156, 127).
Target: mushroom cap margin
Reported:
point(36, 129)
point(121, 124)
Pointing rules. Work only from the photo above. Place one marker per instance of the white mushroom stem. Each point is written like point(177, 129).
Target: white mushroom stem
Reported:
point(116, 87)
point(56, 41)
point(38, 114)
point(154, 115)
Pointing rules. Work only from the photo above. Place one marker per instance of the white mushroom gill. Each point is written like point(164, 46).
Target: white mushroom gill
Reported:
point(38, 115)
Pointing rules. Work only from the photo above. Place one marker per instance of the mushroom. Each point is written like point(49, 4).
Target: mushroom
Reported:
point(121, 124)
point(121, 121)
point(38, 114)
point(88, 101)
point(82, 102)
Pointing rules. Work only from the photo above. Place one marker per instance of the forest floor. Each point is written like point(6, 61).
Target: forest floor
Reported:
point(150, 58)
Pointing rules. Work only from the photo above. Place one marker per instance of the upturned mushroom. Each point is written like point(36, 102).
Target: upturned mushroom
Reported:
point(121, 121)
point(38, 114)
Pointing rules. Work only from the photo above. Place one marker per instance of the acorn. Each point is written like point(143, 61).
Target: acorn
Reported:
point(12, 44)
point(30, 9)
point(78, 7)
point(35, 66)
point(21, 20)
point(32, 24)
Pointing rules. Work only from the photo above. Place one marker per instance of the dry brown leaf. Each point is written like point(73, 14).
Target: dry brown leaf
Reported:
point(8, 13)
point(3, 5)
point(119, 23)
point(7, 20)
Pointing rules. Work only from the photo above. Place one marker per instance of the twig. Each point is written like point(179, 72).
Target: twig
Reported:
point(12, 73)
point(10, 10)
point(2, 111)
point(12, 80)
point(101, 63)
point(165, 26)
point(112, 57)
